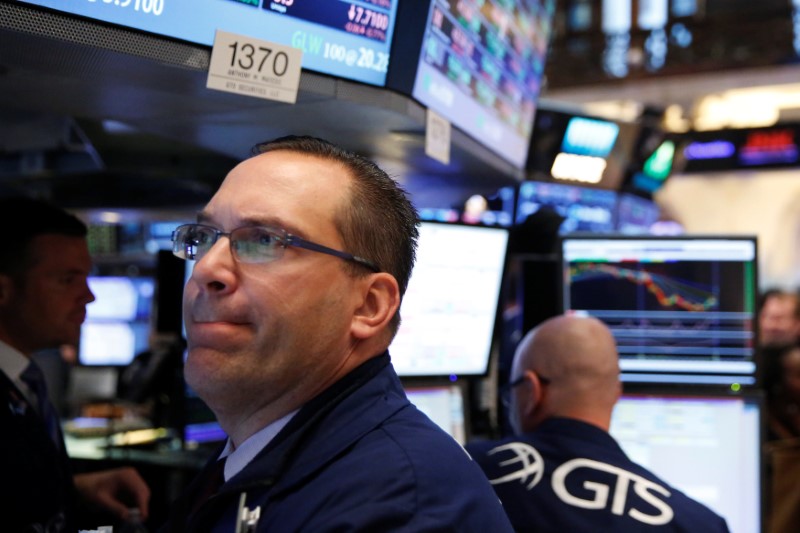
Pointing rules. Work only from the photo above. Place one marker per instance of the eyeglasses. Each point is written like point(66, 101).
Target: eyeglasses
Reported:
point(249, 244)
point(505, 390)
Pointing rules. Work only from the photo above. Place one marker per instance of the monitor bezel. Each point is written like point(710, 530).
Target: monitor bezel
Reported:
point(497, 306)
point(752, 395)
point(462, 385)
point(147, 321)
point(407, 54)
point(646, 386)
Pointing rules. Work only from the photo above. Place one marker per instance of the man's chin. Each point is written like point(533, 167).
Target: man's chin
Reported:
point(204, 364)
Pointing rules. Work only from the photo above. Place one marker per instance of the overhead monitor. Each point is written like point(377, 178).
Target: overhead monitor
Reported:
point(708, 447)
point(583, 209)
point(636, 215)
point(117, 325)
point(567, 147)
point(449, 310)
point(493, 210)
point(444, 405)
point(589, 137)
point(682, 309)
point(481, 66)
point(655, 169)
point(346, 38)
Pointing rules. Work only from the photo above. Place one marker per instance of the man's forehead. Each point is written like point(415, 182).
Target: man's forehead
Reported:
point(283, 189)
point(783, 301)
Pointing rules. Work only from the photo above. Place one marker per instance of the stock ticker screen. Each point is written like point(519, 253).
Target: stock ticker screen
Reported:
point(481, 66)
point(681, 309)
point(345, 38)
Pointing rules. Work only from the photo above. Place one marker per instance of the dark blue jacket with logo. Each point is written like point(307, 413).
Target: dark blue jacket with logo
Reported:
point(570, 476)
point(359, 457)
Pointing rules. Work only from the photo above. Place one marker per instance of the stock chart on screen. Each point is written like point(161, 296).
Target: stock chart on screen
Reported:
point(681, 309)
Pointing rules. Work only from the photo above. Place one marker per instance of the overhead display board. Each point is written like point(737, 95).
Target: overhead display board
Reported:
point(479, 65)
point(730, 149)
point(346, 38)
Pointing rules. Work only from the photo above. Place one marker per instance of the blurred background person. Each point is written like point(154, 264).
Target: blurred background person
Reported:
point(779, 318)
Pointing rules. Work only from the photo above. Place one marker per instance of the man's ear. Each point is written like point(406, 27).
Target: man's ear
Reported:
point(533, 402)
point(380, 300)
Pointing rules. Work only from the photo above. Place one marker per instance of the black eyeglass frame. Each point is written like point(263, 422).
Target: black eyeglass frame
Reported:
point(286, 239)
point(505, 390)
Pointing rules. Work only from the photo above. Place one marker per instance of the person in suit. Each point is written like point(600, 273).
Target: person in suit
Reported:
point(44, 264)
point(303, 256)
point(562, 470)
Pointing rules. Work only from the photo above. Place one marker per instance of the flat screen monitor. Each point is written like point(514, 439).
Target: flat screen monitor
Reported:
point(346, 38)
point(583, 209)
point(444, 405)
point(708, 447)
point(481, 66)
point(494, 210)
point(636, 215)
point(450, 307)
point(117, 325)
point(682, 309)
point(580, 150)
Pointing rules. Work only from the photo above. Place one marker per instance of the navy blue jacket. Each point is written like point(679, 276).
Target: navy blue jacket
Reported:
point(359, 457)
point(572, 476)
point(38, 492)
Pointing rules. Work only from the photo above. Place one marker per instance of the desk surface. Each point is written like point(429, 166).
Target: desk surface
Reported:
point(166, 454)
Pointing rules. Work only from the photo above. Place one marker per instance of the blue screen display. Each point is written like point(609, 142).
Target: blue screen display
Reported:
point(583, 209)
point(345, 38)
point(117, 325)
point(586, 136)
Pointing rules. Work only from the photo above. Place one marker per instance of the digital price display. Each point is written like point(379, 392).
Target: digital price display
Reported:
point(344, 38)
point(481, 65)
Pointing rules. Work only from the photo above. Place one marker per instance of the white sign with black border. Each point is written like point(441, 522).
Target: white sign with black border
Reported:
point(254, 67)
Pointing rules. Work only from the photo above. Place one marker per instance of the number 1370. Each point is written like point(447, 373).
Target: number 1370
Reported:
point(246, 56)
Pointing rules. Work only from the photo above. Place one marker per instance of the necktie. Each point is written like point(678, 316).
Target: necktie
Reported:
point(34, 379)
point(213, 479)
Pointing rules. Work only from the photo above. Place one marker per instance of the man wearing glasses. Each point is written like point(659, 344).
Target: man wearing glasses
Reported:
point(303, 256)
point(44, 264)
point(563, 471)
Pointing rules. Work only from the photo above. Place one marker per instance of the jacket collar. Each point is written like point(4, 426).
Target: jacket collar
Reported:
point(332, 421)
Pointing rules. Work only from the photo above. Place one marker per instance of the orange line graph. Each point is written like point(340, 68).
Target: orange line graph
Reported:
point(669, 293)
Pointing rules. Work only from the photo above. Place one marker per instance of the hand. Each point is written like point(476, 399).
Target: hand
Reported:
point(106, 487)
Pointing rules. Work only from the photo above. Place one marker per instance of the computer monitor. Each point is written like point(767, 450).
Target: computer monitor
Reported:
point(450, 307)
point(117, 325)
point(444, 405)
point(682, 309)
point(480, 66)
point(708, 447)
point(345, 39)
point(583, 209)
point(569, 147)
point(636, 215)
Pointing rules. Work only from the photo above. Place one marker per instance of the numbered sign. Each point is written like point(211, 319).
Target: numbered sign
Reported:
point(254, 67)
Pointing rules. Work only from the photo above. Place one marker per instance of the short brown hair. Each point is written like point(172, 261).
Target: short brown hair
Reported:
point(380, 223)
